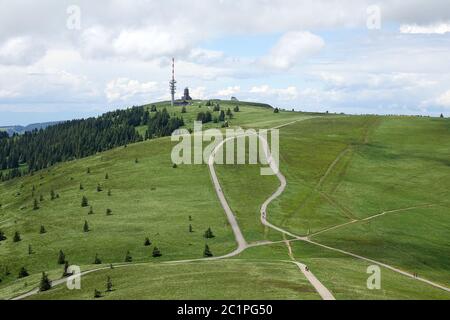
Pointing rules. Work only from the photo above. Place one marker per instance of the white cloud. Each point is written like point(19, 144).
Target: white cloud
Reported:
point(20, 51)
point(293, 48)
point(283, 94)
point(436, 28)
point(123, 89)
point(198, 93)
point(228, 92)
point(444, 99)
point(200, 55)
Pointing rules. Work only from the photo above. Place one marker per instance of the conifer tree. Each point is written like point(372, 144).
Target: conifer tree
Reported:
point(52, 195)
point(108, 212)
point(109, 193)
point(97, 294)
point(156, 253)
point(61, 257)
point(191, 230)
point(222, 116)
point(106, 177)
point(42, 230)
point(109, 284)
point(91, 210)
point(35, 205)
point(2, 236)
point(84, 201)
point(442, 115)
point(86, 226)
point(207, 253)
point(17, 237)
point(66, 269)
point(97, 260)
point(45, 284)
point(81, 187)
point(147, 242)
point(23, 273)
point(88, 171)
point(99, 188)
point(209, 234)
point(128, 257)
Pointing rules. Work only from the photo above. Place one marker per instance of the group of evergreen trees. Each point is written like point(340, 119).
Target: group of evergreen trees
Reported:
point(69, 140)
point(161, 124)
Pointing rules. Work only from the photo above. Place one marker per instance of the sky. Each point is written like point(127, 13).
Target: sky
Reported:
point(61, 59)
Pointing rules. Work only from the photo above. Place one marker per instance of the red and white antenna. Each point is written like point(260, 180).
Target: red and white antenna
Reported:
point(173, 83)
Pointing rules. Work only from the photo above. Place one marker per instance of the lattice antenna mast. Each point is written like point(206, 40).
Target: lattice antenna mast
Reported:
point(173, 87)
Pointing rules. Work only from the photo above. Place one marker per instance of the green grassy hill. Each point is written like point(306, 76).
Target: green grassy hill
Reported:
point(338, 168)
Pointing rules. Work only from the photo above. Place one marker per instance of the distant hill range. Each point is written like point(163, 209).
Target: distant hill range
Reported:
point(22, 129)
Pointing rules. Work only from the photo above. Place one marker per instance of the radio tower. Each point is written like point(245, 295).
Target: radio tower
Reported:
point(173, 83)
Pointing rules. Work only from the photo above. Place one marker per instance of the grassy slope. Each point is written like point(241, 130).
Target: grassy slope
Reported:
point(405, 164)
point(229, 279)
point(149, 198)
point(308, 148)
point(384, 164)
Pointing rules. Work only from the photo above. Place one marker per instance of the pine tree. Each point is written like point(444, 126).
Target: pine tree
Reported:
point(109, 193)
point(66, 269)
point(17, 237)
point(2, 236)
point(442, 115)
point(23, 273)
point(207, 253)
point(147, 242)
point(109, 284)
point(88, 171)
point(191, 230)
point(42, 230)
point(97, 260)
point(61, 257)
point(108, 212)
point(45, 284)
point(222, 116)
point(52, 195)
point(136, 160)
point(91, 210)
point(35, 205)
point(81, 187)
point(84, 202)
point(99, 188)
point(156, 253)
point(106, 177)
point(97, 294)
point(86, 226)
point(209, 234)
point(128, 257)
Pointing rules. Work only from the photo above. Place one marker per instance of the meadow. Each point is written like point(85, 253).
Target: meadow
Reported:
point(340, 170)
